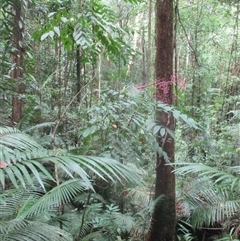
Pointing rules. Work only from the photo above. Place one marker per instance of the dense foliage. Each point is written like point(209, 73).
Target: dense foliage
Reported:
point(78, 131)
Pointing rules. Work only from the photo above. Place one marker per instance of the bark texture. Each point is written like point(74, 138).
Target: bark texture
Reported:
point(18, 61)
point(162, 226)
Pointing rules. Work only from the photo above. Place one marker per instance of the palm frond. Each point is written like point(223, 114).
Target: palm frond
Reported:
point(92, 235)
point(41, 126)
point(228, 175)
point(183, 229)
point(14, 139)
point(209, 207)
point(109, 168)
point(18, 230)
point(137, 195)
point(28, 166)
point(57, 196)
point(12, 201)
point(23, 157)
point(94, 196)
point(21, 172)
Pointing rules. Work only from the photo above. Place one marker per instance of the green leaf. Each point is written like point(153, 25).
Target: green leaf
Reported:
point(89, 131)
point(19, 230)
point(149, 125)
point(189, 121)
point(162, 132)
point(61, 194)
point(18, 174)
point(156, 129)
point(44, 36)
point(91, 236)
point(176, 114)
point(42, 169)
point(64, 20)
point(51, 14)
point(2, 178)
point(57, 31)
point(51, 33)
point(36, 173)
point(25, 174)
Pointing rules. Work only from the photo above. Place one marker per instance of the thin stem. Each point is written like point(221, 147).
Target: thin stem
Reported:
point(84, 215)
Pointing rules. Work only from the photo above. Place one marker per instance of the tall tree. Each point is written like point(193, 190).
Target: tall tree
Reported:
point(163, 220)
point(18, 8)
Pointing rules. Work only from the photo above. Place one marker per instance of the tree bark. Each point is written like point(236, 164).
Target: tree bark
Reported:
point(149, 47)
point(18, 61)
point(78, 67)
point(162, 226)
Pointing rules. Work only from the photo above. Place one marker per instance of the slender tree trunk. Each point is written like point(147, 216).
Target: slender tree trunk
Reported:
point(58, 54)
point(163, 220)
point(78, 66)
point(143, 57)
point(176, 51)
point(135, 42)
point(18, 61)
point(149, 47)
point(99, 77)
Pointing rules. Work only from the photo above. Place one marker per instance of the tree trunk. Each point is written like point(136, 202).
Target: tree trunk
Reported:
point(149, 47)
point(18, 61)
point(78, 66)
point(163, 220)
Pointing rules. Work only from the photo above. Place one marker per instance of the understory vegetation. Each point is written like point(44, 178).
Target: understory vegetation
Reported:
point(78, 127)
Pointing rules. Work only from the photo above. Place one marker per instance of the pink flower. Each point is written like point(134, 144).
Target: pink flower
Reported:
point(3, 164)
